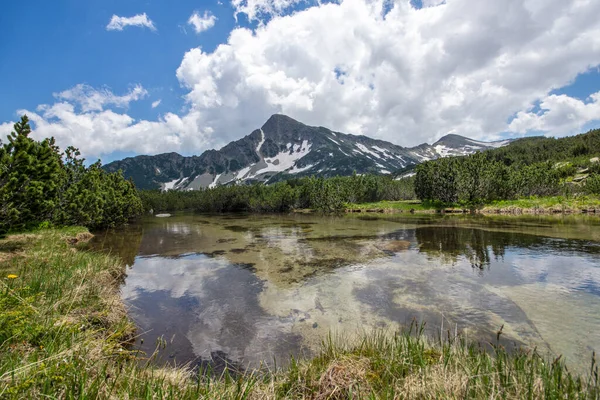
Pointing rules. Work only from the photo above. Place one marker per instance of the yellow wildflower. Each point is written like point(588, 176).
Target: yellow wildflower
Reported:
point(12, 276)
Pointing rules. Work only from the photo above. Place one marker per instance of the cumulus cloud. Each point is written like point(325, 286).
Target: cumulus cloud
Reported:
point(256, 9)
point(5, 129)
point(82, 122)
point(390, 71)
point(90, 99)
point(202, 23)
point(156, 103)
point(409, 75)
point(559, 114)
point(119, 23)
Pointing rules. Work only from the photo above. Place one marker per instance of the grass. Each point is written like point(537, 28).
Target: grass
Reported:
point(397, 206)
point(545, 204)
point(64, 333)
point(556, 204)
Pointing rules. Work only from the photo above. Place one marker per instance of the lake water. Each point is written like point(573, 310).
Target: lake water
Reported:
point(246, 289)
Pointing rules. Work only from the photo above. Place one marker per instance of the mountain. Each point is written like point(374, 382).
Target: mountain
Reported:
point(283, 148)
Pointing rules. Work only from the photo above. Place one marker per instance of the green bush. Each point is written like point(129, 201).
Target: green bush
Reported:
point(592, 184)
point(39, 185)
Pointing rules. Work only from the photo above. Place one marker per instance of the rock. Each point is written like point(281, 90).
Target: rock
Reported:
point(315, 325)
point(595, 160)
point(395, 245)
point(580, 178)
point(163, 215)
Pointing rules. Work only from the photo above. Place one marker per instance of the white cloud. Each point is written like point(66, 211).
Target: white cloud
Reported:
point(5, 129)
point(90, 99)
point(156, 103)
point(559, 114)
point(141, 20)
point(201, 23)
point(97, 132)
point(256, 9)
point(409, 76)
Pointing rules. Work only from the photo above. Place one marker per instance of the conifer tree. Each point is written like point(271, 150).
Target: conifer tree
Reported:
point(39, 184)
point(31, 173)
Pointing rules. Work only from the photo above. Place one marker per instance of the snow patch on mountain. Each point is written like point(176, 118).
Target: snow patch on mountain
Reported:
point(334, 141)
point(442, 150)
point(297, 170)
point(421, 157)
point(500, 143)
point(385, 152)
point(286, 160)
point(366, 150)
point(170, 185)
point(241, 174)
point(262, 141)
point(215, 181)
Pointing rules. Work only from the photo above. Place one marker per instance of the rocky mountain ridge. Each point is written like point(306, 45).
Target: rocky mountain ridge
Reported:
point(284, 148)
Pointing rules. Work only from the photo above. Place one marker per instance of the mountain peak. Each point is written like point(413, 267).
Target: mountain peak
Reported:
point(451, 138)
point(280, 123)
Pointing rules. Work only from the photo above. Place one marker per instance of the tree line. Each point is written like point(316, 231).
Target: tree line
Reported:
point(317, 193)
point(42, 186)
point(527, 167)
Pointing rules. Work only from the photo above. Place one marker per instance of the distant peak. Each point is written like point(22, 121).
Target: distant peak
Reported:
point(451, 136)
point(279, 119)
point(279, 123)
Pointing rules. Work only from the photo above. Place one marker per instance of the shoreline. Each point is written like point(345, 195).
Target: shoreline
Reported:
point(535, 206)
point(73, 334)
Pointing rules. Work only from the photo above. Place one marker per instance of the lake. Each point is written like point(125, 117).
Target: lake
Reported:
point(243, 290)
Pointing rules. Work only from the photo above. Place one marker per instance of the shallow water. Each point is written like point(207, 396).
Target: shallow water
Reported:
point(243, 290)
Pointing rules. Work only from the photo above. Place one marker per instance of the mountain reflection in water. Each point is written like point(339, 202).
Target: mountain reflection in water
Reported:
point(240, 289)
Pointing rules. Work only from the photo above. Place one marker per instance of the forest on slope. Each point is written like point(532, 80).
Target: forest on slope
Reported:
point(527, 167)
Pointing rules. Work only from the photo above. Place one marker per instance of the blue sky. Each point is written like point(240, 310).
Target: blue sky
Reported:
point(65, 43)
point(413, 70)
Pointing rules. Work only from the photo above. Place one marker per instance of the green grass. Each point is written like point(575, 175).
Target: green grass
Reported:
point(556, 203)
point(399, 206)
point(532, 204)
point(64, 334)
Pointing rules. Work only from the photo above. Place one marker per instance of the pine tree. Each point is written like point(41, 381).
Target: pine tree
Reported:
point(30, 172)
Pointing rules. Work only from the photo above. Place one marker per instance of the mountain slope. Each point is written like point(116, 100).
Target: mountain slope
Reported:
point(283, 148)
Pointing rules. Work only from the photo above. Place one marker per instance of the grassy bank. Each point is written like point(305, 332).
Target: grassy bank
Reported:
point(64, 334)
point(531, 205)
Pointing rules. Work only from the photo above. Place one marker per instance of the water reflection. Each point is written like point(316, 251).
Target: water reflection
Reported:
point(241, 290)
point(480, 246)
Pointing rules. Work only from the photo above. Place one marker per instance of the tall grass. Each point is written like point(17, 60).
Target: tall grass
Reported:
point(64, 334)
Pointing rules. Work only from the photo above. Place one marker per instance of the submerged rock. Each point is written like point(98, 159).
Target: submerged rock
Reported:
point(395, 245)
point(163, 215)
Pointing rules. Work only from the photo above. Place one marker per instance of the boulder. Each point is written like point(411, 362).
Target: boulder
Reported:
point(580, 178)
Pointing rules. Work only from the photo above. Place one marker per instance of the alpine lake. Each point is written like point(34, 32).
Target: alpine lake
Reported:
point(253, 290)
